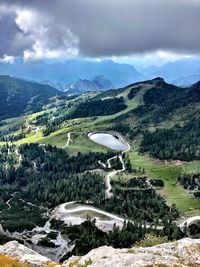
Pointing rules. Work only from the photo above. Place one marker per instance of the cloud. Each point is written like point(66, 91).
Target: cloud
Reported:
point(50, 40)
point(13, 41)
point(105, 28)
point(29, 33)
point(7, 59)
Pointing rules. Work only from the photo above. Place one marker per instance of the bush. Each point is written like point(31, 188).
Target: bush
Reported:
point(152, 240)
point(6, 261)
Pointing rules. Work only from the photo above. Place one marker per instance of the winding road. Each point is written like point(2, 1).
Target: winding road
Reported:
point(75, 215)
point(102, 164)
point(108, 192)
point(72, 212)
point(18, 154)
point(43, 147)
point(35, 129)
point(8, 201)
point(68, 140)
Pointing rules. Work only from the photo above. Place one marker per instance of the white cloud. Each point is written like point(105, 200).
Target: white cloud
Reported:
point(40, 51)
point(170, 55)
point(158, 58)
point(46, 43)
point(7, 59)
point(26, 20)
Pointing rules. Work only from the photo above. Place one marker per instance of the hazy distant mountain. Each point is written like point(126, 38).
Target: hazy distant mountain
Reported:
point(97, 84)
point(19, 96)
point(58, 86)
point(151, 70)
point(180, 72)
point(187, 80)
point(72, 70)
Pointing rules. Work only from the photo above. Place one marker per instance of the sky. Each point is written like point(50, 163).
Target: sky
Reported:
point(140, 32)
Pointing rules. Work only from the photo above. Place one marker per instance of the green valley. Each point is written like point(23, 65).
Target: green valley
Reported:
point(48, 160)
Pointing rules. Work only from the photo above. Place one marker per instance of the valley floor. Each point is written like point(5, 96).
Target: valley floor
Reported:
point(73, 137)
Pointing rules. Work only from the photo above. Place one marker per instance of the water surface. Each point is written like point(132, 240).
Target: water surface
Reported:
point(109, 140)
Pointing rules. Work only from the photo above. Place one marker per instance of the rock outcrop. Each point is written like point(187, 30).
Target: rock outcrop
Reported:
point(181, 253)
point(24, 254)
point(185, 252)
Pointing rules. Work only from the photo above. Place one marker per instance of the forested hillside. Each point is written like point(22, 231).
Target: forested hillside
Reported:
point(168, 120)
point(48, 176)
point(19, 96)
point(176, 143)
point(98, 108)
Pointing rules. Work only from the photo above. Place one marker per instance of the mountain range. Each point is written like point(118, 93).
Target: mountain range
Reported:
point(181, 72)
point(18, 96)
point(59, 75)
point(71, 70)
point(80, 86)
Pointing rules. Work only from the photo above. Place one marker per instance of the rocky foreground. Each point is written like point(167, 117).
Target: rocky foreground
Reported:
point(185, 252)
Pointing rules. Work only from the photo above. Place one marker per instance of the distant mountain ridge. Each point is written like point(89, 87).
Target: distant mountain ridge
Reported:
point(97, 84)
point(180, 72)
point(72, 70)
point(57, 86)
point(18, 96)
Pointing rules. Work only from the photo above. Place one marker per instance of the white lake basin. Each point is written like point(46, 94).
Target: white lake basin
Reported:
point(75, 214)
point(109, 140)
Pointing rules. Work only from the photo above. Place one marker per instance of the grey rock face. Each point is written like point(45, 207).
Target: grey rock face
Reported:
point(182, 253)
point(24, 254)
point(185, 252)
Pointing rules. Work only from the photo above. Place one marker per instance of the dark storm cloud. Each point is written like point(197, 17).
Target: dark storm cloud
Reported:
point(120, 27)
point(12, 39)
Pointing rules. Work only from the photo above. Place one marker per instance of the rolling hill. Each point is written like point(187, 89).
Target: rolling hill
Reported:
point(18, 96)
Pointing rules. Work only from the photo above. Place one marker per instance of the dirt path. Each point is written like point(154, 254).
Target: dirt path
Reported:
point(108, 192)
point(29, 126)
point(8, 201)
point(68, 140)
point(66, 211)
point(18, 154)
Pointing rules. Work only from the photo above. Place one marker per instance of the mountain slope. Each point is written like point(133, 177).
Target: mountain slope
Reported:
point(180, 72)
point(18, 96)
point(168, 120)
point(97, 84)
point(57, 86)
point(72, 70)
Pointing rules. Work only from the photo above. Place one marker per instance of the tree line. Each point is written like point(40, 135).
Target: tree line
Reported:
point(191, 182)
point(175, 143)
